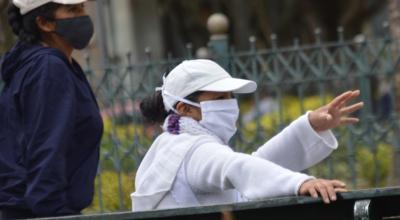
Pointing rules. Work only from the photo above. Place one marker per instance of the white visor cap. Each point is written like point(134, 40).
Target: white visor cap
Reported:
point(26, 6)
point(201, 75)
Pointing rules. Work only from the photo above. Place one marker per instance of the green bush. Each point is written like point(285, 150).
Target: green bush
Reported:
point(115, 192)
point(372, 166)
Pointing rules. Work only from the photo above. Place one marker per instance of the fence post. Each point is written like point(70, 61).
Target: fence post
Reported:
point(218, 25)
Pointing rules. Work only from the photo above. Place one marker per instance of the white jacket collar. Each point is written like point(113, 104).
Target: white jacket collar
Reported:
point(159, 167)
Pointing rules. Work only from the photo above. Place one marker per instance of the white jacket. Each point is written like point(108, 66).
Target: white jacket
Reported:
point(195, 168)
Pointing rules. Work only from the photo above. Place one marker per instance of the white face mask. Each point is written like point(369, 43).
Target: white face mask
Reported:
point(219, 117)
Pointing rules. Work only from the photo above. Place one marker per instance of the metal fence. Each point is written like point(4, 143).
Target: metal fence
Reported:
point(291, 81)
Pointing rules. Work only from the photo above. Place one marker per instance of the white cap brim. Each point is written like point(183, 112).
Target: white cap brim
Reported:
point(27, 6)
point(234, 85)
point(69, 2)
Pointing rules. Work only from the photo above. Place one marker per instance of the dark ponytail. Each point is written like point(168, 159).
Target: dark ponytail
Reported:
point(152, 107)
point(24, 26)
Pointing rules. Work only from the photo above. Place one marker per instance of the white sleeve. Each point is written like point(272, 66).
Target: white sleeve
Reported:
point(213, 167)
point(298, 146)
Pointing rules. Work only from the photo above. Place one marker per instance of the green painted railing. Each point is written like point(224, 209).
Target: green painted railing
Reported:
point(371, 204)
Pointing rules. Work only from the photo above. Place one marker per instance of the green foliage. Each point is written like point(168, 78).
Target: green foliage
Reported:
point(115, 192)
point(292, 108)
point(119, 152)
point(123, 145)
point(374, 166)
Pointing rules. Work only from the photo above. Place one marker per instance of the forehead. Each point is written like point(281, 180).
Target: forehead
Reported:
point(66, 11)
point(208, 95)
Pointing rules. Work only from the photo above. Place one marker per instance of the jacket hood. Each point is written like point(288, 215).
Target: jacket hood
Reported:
point(19, 55)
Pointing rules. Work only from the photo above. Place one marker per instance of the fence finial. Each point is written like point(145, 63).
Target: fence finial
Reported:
point(359, 39)
point(386, 30)
point(274, 40)
point(147, 50)
point(218, 25)
point(252, 40)
point(340, 31)
point(129, 58)
point(296, 42)
point(189, 49)
point(202, 53)
point(317, 33)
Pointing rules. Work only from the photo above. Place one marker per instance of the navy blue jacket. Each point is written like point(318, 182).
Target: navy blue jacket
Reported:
point(50, 131)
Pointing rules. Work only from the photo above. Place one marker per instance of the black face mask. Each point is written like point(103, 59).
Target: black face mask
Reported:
point(77, 31)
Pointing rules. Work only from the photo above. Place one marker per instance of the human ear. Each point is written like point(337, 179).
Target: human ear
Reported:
point(45, 25)
point(183, 109)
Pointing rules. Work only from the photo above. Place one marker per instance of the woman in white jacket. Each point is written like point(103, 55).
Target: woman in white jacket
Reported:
point(191, 164)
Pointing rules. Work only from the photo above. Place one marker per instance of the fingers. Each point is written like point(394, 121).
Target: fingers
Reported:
point(339, 186)
point(349, 109)
point(353, 95)
point(327, 189)
point(322, 190)
point(340, 99)
point(327, 192)
point(352, 108)
point(340, 190)
point(349, 120)
point(343, 98)
point(338, 183)
point(331, 191)
point(313, 192)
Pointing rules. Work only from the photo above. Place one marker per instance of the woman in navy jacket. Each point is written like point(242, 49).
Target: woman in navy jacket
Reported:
point(50, 125)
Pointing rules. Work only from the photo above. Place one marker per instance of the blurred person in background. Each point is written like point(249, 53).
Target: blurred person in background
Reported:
point(50, 125)
point(192, 164)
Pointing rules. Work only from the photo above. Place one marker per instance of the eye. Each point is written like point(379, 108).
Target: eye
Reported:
point(221, 97)
point(76, 8)
point(224, 96)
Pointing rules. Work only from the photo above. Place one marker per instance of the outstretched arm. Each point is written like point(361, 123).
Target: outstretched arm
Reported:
point(214, 167)
point(308, 140)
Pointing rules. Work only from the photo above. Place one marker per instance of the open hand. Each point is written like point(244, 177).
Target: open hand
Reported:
point(336, 112)
point(327, 189)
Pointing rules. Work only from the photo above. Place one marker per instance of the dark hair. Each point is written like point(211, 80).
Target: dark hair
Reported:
point(24, 26)
point(152, 107)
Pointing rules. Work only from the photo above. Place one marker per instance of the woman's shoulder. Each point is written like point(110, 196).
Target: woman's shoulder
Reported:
point(31, 63)
point(188, 136)
point(50, 66)
point(51, 57)
point(38, 54)
point(186, 140)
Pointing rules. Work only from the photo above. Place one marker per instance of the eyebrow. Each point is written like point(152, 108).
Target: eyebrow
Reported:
point(75, 6)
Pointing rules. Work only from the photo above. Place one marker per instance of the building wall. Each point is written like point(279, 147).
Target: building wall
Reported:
point(121, 27)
